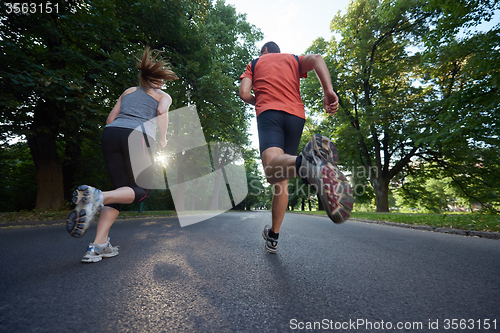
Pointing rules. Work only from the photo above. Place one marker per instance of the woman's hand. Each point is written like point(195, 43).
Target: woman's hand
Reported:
point(163, 143)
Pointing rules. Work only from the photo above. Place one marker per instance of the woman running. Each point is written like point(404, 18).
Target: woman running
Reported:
point(138, 108)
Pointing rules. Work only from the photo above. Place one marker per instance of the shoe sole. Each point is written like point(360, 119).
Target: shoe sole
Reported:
point(111, 255)
point(97, 259)
point(76, 223)
point(91, 260)
point(81, 194)
point(337, 193)
point(337, 196)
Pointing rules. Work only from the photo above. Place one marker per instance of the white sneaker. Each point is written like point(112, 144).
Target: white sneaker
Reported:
point(88, 204)
point(95, 252)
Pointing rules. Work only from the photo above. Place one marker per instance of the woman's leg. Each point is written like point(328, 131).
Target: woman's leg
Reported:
point(106, 220)
point(116, 157)
point(118, 162)
point(122, 195)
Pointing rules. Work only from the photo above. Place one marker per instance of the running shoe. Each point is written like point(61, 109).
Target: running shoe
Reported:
point(324, 148)
point(88, 204)
point(95, 252)
point(319, 168)
point(271, 243)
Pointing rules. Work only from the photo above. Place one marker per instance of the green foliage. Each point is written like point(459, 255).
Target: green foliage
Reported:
point(463, 137)
point(18, 186)
point(422, 189)
point(257, 194)
point(62, 73)
point(463, 221)
point(415, 85)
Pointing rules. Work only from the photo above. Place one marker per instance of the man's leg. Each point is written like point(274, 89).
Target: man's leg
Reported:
point(279, 138)
point(278, 167)
point(279, 205)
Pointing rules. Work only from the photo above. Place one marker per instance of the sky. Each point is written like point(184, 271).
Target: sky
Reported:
point(295, 24)
point(292, 24)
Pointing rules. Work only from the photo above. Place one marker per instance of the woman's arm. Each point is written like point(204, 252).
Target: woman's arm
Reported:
point(162, 113)
point(116, 109)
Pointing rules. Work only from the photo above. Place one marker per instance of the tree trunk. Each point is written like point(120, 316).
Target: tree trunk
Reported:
point(49, 175)
point(42, 143)
point(214, 205)
point(73, 155)
point(381, 188)
point(320, 203)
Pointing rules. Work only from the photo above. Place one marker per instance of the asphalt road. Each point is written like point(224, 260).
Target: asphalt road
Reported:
point(215, 276)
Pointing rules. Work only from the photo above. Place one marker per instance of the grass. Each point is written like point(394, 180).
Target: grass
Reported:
point(463, 221)
point(48, 215)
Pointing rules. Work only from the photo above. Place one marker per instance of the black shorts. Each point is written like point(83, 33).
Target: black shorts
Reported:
point(279, 129)
point(117, 156)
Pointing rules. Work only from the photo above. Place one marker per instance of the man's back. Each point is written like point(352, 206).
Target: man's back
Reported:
point(276, 83)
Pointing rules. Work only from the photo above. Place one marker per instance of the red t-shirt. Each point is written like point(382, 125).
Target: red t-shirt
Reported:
point(276, 83)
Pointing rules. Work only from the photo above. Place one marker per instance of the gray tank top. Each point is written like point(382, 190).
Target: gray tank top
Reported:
point(137, 108)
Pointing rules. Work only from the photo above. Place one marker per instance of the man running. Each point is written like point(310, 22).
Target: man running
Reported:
point(275, 79)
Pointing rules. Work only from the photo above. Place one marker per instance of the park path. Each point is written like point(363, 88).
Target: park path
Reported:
point(215, 276)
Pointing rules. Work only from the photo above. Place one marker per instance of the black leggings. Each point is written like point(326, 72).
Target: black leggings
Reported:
point(117, 156)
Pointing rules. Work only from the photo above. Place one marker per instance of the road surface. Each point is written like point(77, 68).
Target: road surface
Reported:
point(215, 276)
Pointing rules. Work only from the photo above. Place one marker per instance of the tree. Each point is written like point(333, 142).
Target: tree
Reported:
point(57, 72)
point(391, 104)
point(463, 139)
point(62, 72)
point(228, 45)
point(256, 191)
point(229, 42)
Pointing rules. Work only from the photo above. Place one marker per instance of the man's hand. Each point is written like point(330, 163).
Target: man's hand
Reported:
point(331, 102)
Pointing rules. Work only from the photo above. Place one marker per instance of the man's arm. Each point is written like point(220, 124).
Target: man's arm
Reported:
point(317, 63)
point(245, 94)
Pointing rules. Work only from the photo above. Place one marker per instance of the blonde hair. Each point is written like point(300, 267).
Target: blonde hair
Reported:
point(153, 70)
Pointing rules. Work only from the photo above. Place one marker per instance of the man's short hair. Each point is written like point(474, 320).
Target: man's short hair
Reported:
point(272, 47)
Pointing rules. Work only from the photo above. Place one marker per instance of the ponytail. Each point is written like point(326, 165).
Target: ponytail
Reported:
point(153, 70)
